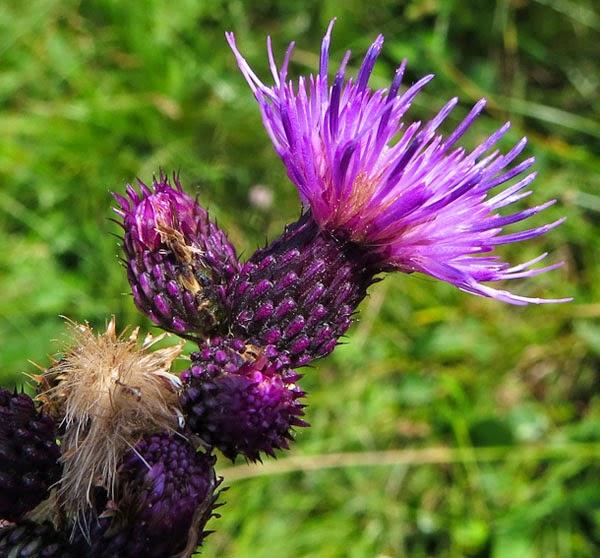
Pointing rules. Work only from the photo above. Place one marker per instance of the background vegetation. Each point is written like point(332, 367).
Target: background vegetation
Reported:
point(465, 427)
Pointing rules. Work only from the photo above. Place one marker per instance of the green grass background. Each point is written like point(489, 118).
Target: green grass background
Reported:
point(467, 427)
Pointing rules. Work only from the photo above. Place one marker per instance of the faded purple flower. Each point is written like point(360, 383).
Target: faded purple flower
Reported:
point(403, 190)
point(177, 258)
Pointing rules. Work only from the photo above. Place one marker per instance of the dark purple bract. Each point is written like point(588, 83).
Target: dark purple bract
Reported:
point(28, 455)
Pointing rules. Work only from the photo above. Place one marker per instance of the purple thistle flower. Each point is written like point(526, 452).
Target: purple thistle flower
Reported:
point(240, 401)
point(166, 495)
point(404, 191)
point(177, 259)
point(28, 455)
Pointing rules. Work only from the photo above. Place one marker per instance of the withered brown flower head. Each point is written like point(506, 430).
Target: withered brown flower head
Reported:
point(106, 392)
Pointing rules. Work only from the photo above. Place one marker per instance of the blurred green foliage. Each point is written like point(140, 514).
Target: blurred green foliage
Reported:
point(95, 93)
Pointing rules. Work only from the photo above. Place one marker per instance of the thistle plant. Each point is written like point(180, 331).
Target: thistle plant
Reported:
point(135, 472)
point(379, 194)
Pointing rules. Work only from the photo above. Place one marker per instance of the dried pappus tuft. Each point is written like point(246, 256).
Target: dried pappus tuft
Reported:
point(106, 392)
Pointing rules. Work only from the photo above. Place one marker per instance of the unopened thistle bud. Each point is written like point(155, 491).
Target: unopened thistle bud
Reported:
point(177, 258)
point(107, 391)
point(298, 295)
point(236, 399)
point(165, 497)
point(28, 455)
point(27, 539)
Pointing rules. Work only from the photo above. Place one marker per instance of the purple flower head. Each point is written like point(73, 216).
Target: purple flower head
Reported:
point(237, 399)
point(177, 258)
point(402, 189)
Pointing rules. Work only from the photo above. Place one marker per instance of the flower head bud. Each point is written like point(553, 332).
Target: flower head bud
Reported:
point(297, 296)
point(236, 399)
point(177, 258)
point(165, 497)
point(34, 540)
point(28, 455)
